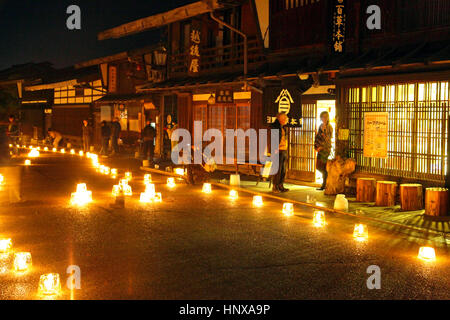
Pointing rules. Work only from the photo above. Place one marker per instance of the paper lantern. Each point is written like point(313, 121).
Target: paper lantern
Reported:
point(427, 254)
point(319, 220)
point(34, 153)
point(82, 196)
point(149, 195)
point(258, 201)
point(28, 162)
point(54, 150)
point(114, 172)
point(22, 261)
point(5, 245)
point(46, 149)
point(207, 188)
point(234, 195)
point(10, 145)
point(361, 232)
point(38, 148)
point(171, 183)
point(158, 197)
point(50, 284)
point(106, 170)
point(288, 209)
point(122, 187)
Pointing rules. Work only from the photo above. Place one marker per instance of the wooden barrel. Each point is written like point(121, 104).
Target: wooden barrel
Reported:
point(386, 193)
point(436, 202)
point(411, 197)
point(365, 189)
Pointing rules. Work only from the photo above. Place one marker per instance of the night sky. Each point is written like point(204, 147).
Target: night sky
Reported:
point(35, 30)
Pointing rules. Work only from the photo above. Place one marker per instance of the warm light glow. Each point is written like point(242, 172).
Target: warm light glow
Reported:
point(106, 170)
point(427, 254)
point(207, 188)
point(5, 245)
point(54, 150)
point(50, 284)
point(22, 261)
point(258, 201)
point(63, 151)
point(122, 187)
point(34, 153)
point(38, 148)
point(128, 176)
point(72, 151)
point(171, 183)
point(150, 195)
point(319, 220)
point(114, 172)
point(234, 195)
point(147, 178)
point(82, 197)
point(81, 154)
point(2, 179)
point(361, 232)
point(46, 149)
point(10, 145)
point(28, 162)
point(179, 171)
point(288, 209)
point(158, 197)
point(88, 155)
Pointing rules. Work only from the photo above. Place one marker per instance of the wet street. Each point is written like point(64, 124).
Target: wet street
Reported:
point(198, 246)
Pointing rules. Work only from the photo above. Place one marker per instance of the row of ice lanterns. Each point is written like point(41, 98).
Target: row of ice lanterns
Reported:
point(360, 231)
point(35, 152)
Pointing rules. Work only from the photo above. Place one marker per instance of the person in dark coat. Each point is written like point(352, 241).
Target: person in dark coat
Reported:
point(323, 146)
point(116, 128)
point(279, 177)
point(13, 133)
point(148, 135)
point(87, 131)
point(106, 134)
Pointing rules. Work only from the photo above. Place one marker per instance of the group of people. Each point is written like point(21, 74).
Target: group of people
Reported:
point(110, 132)
point(322, 145)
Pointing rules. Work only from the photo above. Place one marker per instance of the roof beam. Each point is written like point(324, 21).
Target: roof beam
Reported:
point(161, 19)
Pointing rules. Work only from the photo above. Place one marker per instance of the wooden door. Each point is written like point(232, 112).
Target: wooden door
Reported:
point(302, 156)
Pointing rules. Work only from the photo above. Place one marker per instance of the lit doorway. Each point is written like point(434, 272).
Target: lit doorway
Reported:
point(330, 107)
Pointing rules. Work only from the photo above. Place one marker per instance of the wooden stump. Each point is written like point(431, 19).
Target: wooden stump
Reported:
point(386, 193)
point(436, 202)
point(365, 189)
point(338, 172)
point(411, 197)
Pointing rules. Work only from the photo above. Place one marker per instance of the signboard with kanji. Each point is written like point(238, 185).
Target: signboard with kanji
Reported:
point(194, 49)
point(376, 131)
point(339, 20)
point(224, 96)
point(287, 100)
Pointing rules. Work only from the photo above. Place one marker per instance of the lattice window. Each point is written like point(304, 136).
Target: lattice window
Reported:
point(418, 122)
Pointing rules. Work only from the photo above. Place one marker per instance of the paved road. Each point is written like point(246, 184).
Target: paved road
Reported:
point(197, 246)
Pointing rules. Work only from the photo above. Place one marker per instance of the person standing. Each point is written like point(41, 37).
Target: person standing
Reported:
point(87, 130)
point(115, 134)
point(106, 134)
point(13, 133)
point(280, 176)
point(148, 135)
point(322, 144)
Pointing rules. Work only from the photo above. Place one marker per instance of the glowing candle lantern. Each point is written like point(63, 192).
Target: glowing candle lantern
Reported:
point(5, 245)
point(88, 155)
point(122, 187)
point(50, 284)
point(54, 150)
point(116, 190)
point(158, 197)
point(28, 162)
point(33, 153)
point(171, 183)
point(427, 254)
point(319, 220)
point(258, 201)
point(128, 176)
point(114, 172)
point(22, 261)
point(81, 154)
point(82, 197)
point(63, 151)
point(46, 149)
point(10, 145)
point(145, 198)
point(2, 179)
point(106, 170)
point(207, 188)
point(38, 148)
point(179, 171)
point(147, 178)
point(72, 151)
point(361, 232)
point(234, 195)
point(288, 209)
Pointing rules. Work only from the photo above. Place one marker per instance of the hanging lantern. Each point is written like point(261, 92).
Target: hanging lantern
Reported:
point(5, 245)
point(234, 195)
point(427, 254)
point(361, 232)
point(258, 201)
point(207, 188)
point(288, 209)
point(82, 196)
point(319, 220)
point(171, 183)
point(28, 162)
point(128, 176)
point(50, 284)
point(33, 153)
point(22, 261)
point(147, 178)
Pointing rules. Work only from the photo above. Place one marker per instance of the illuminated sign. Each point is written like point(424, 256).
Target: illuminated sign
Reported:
point(339, 20)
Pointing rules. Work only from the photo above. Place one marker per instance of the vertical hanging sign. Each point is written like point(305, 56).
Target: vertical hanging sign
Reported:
point(112, 83)
point(194, 49)
point(339, 20)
